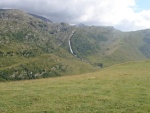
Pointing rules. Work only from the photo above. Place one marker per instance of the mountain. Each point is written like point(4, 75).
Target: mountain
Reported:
point(32, 46)
point(107, 46)
point(80, 25)
point(42, 18)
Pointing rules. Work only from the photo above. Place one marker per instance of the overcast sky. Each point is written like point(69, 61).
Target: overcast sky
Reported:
point(125, 15)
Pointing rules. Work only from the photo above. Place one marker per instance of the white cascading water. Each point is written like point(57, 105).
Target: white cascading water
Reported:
point(70, 47)
point(70, 43)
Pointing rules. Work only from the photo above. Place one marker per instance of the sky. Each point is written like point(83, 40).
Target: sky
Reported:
point(125, 15)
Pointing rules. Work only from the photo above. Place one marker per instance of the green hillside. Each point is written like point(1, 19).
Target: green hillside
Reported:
point(108, 46)
point(120, 88)
point(32, 46)
point(46, 65)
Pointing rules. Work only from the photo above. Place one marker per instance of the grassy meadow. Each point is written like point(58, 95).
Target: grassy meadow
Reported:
point(118, 89)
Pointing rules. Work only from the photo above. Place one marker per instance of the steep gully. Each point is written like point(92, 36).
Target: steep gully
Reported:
point(70, 43)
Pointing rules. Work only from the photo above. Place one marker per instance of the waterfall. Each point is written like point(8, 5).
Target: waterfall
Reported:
point(70, 47)
point(70, 43)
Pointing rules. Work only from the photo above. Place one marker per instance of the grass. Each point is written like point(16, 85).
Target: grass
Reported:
point(120, 88)
point(52, 65)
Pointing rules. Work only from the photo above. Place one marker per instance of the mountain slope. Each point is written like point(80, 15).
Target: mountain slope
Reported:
point(42, 18)
point(108, 46)
point(31, 47)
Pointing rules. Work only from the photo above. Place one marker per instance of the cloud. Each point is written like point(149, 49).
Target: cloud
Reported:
point(122, 14)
